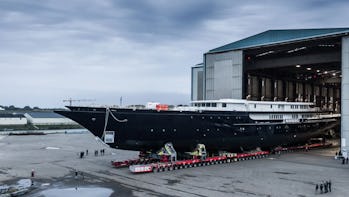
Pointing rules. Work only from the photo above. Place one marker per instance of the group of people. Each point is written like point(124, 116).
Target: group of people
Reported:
point(323, 187)
point(102, 152)
point(83, 153)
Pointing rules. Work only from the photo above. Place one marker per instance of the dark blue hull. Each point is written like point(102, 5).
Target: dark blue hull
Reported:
point(219, 130)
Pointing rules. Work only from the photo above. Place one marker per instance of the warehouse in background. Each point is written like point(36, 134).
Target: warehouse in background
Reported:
point(197, 82)
point(34, 120)
point(304, 65)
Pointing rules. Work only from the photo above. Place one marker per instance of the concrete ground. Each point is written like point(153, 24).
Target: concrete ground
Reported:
point(54, 158)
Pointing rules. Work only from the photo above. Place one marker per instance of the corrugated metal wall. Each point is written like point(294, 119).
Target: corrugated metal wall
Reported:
point(345, 96)
point(223, 75)
point(197, 83)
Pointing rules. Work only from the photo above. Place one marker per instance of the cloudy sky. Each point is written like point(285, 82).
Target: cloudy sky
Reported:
point(141, 50)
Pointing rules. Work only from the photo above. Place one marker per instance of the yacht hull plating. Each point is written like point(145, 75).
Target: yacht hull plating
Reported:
point(145, 129)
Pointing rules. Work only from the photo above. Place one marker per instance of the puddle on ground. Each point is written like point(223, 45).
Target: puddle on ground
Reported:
point(278, 172)
point(172, 182)
point(80, 191)
point(51, 148)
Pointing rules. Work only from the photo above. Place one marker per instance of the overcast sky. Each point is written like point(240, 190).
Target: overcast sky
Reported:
point(141, 50)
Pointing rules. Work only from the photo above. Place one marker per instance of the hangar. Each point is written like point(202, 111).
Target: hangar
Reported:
point(307, 65)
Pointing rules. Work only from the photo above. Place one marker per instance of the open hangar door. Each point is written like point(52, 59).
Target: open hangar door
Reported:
point(304, 71)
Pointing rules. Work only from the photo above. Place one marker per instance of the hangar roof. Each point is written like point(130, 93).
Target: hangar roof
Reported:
point(279, 36)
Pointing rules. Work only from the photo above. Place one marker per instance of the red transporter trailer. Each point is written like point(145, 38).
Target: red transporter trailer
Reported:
point(166, 164)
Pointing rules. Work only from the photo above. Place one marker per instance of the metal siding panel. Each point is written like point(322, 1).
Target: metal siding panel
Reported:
point(345, 95)
point(222, 79)
point(197, 83)
point(200, 85)
point(223, 75)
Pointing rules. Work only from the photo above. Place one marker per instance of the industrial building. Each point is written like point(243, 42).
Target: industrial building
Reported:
point(33, 119)
point(307, 65)
point(197, 81)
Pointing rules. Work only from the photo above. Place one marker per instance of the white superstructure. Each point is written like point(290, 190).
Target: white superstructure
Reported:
point(262, 110)
point(254, 106)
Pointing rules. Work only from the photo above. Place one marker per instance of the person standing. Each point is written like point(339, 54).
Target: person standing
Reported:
point(321, 188)
point(76, 174)
point(316, 188)
point(330, 185)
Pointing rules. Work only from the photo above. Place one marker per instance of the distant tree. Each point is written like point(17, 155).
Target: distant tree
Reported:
point(36, 108)
point(11, 107)
point(27, 108)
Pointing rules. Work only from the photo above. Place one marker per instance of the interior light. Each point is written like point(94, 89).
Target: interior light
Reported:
point(334, 74)
point(308, 68)
point(298, 65)
point(318, 71)
point(325, 72)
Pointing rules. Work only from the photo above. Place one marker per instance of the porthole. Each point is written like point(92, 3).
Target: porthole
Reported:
point(163, 130)
point(219, 117)
point(197, 129)
point(93, 119)
point(217, 129)
point(174, 130)
point(191, 117)
point(211, 117)
point(208, 129)
point(151, 130)
point(203, 117)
